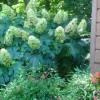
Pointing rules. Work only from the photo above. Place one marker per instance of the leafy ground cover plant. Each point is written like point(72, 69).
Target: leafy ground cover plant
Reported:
point(80, 86)
point(34, 85)
point(41, 84)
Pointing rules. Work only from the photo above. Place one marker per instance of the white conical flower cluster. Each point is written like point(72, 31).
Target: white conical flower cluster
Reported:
point(72, 27)
point(60, 34)
point(45, 14)
point(31, 11)
point(82, 26)
point(32, 5)
point(33, 42)
point(8, 11)
point(5, 58)
point(60, 17)
point(15, 32)
point(41, 25)
point(31, 18)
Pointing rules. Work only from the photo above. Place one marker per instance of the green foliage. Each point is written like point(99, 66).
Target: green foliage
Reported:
point(35, 38)
point(79, 7)
point(80, 86)
point(45, 39)
point(20, 7)
point(52, 5)
point(37, 85)
point(44, 84)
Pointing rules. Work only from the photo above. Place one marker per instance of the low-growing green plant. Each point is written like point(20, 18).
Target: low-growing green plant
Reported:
point(42, 84)
point(34, 85)
point(80, 86)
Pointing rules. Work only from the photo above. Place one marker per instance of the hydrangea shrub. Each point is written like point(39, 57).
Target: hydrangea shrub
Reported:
point(37, 38)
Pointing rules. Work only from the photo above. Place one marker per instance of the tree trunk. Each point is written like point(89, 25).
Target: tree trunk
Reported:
point(26, 2)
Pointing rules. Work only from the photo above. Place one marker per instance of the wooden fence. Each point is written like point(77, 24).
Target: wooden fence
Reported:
point(95, 37)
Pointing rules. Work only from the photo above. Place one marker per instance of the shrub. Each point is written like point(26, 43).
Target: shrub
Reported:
point(33, 40)
point(80, 86)
point(34, 85)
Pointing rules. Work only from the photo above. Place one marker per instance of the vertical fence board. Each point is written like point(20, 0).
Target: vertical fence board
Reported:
point(93, 35)
point(98, 29)
point(98, 15)
point(98, 43)
point(97, 56)
point(98, 2)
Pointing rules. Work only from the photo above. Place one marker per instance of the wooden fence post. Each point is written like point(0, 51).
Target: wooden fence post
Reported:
point(95, 39)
